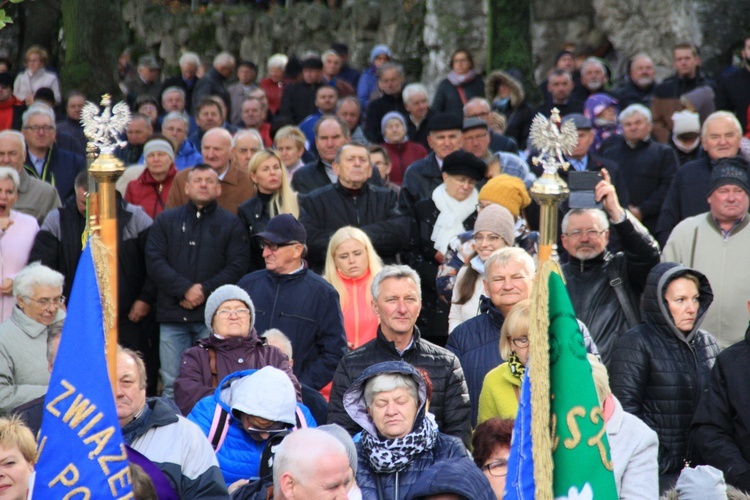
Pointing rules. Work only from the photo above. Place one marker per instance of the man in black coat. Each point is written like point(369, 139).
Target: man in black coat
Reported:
point(423, 176)
point(331, 132)
point(640, 85)
point(733, 92)
point(720, 138)
point(390, 83)
point(352, 201)
point(560, 86)
point(191, 251)
point(213, 81)
point(721, 424)
point(397, 302)
point(605, 288)
point(648, 166)
point(298, 99)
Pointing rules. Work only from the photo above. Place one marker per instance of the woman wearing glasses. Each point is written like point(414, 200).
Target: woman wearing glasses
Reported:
point(490, 445)
point(24, 374)
point(232, 346)
point(493, 230)
point(257, 405)
point(502, 385)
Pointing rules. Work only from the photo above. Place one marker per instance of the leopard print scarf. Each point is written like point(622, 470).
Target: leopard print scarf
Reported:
point(516, 367)
point(391, 455)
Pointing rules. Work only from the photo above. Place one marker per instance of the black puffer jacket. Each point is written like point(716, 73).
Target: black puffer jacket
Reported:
point(721, 427)
point(591, 294)
point(659, 373)
point(374, 210)
point(450, 396)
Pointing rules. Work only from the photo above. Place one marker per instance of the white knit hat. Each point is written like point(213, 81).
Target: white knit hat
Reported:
point(685, 122)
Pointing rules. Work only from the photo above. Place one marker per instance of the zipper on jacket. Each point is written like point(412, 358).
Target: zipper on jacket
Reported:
point(275, 300)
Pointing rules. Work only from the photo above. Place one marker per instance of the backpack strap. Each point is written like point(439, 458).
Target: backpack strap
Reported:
point(219, 428)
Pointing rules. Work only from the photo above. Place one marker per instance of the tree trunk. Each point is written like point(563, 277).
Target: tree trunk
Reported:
point(93, 39)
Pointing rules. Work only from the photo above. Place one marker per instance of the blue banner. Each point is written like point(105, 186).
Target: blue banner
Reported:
point(519, 484)
point(81, 451)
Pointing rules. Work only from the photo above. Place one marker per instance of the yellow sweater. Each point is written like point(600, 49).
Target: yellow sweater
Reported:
point(499, 397)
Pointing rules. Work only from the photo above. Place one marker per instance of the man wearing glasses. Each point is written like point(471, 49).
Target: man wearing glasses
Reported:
point(45, 160)
point(24, 374)
point(290, 297)
point(605, 288)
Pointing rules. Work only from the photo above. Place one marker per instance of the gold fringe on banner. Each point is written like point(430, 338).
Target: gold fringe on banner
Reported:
point(101, 264)
point(541, 430)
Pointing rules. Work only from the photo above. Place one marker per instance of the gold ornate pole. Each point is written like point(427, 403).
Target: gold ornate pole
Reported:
point(102, 132)
point(553, 139)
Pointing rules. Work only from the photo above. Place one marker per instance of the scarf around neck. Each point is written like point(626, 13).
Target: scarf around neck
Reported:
point(452, 215)
point(391, 455)
point(459, 80)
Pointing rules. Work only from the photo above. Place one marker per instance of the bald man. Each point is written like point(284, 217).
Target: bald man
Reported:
point(236, 187)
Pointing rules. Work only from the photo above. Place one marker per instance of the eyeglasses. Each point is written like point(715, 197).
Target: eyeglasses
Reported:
point(274, 428)
point(275, 246)
point(591, 233)
point(46, 302)
point(490, 238)
point(38, 128)
point(520, 342)
point(226, 313)
point(498, 468)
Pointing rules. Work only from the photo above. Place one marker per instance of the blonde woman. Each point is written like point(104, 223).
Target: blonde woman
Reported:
point(17, 456)
point(351, 264)
point(35, 76)
point(499, 396)
point(274, 196)
point(290, 144)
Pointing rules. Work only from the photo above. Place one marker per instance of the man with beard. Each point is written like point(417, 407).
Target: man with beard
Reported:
point(604, 288)
point(593, 79)
point(733, 92)
point(640, 85)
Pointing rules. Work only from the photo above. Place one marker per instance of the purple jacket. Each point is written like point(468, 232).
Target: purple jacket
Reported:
point(194, 381)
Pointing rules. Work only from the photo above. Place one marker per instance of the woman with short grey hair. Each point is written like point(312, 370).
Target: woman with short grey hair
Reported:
point(24, 374)
point(17, 234)
point(400, 438)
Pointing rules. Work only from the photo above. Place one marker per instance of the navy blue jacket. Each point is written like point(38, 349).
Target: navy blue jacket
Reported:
point(187, 245)
point(306, 308)
point(60, 170)
point(476, 342)
point(460, 476)
point(420, 180)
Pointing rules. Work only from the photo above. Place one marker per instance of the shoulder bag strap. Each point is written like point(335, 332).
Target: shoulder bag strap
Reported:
point(616, 283)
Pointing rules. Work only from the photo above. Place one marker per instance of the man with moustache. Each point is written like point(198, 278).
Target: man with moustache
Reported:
point(604, 288)
point(640, 85)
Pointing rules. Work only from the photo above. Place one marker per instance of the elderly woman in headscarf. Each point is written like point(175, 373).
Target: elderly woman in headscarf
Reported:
point(602, 109)
point(400, 439)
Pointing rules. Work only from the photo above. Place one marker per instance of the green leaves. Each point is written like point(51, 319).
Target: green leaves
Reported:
point(4, 19)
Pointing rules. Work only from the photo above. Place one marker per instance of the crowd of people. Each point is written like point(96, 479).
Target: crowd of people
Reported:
point(325, 273)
